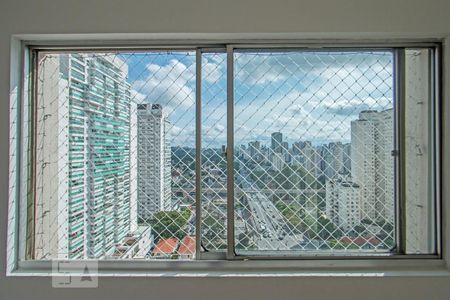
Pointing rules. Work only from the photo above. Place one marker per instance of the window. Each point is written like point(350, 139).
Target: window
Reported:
point(241, 152)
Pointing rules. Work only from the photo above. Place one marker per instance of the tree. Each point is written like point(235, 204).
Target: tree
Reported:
point(259, 177)
point(359, 229)
point(295, 216)
point(388, 228)
point(213, 227)
point(327, 229)
point(294, 177)
point(366, 221)
point(167, 224)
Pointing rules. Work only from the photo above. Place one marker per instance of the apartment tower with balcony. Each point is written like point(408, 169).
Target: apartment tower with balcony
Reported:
point(83, 199)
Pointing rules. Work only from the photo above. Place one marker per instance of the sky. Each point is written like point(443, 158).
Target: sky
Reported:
point(309, 95)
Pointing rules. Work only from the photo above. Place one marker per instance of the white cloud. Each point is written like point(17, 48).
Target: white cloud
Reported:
point(212, 69)
point(354, 106)
point(168, 85)
point(173, 84)
point(181, 136)
point(322, 94)
point(258, 69)
point(137, 97)
point(213, 135)
point(302, 116)
point(262, 68)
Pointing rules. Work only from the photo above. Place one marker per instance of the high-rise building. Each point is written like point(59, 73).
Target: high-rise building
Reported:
point(311, 158)
point(277, 142)
point(286, 152)
point(285, 147)
point(296, 148)
point(297, 160)
point(83, 157)
point(133, 168)
point(372, 165)
point(254, 148)
point(278, 161)
point(153, 161)
point(343, 203)
point(347, 158)
point(333, 160)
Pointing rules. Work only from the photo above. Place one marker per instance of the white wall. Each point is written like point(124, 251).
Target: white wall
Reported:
point(220, 18)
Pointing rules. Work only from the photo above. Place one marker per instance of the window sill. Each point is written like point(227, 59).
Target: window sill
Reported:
point(262, 268)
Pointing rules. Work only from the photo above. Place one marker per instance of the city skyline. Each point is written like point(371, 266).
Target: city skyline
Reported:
point(307, 100)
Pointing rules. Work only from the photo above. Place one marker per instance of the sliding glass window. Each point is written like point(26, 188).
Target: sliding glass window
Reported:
point(230, 152)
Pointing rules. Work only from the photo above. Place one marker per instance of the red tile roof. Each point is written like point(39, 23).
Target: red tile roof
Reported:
point(187, 246)
point(166, 246)
point(360, 241)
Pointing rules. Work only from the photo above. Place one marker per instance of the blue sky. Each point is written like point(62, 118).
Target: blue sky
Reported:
point(306, 95)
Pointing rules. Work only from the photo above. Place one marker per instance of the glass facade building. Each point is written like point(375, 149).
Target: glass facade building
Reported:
point(90, 117)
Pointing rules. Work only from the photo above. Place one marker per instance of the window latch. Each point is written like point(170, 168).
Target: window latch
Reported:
point(395, 153)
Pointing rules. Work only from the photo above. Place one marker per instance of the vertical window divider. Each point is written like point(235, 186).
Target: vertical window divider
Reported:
point(198, 153)
point(436, 85)
point(230, 154)
point(31, 156)
point(28, 74)
point(399, 152)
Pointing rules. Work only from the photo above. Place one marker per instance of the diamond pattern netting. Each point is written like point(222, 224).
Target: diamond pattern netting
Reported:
point(314, 195)
point(115, 153)
point(115, 134)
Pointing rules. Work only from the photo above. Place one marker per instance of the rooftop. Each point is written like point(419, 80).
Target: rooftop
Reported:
point(166, 246)
point(360, 241)
point(187, 246)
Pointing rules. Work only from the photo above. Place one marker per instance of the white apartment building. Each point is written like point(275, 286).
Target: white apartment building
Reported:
point(82, 175)
point(372, 166)
point(333, 159)
point(312, 158)
point(343, 203)
point(153, 161)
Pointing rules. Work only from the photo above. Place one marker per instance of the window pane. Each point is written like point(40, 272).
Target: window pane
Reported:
point(114, 156)
point(313, 165)
point(214, 165)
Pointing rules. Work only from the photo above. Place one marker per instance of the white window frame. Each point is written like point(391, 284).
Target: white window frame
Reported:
point(214, 264)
